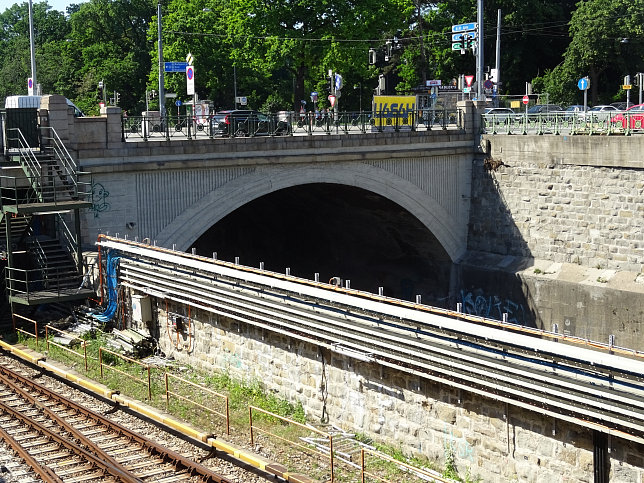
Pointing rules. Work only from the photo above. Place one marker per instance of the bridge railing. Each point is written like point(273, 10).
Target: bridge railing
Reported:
point(611, 122)
point(144, 128)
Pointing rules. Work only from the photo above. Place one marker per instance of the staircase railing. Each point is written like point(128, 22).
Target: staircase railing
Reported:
point(67, 238)
point(28, 160)
point(65, 163)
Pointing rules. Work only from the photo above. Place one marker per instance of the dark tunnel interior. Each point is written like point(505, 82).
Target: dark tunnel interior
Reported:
point(335, 230)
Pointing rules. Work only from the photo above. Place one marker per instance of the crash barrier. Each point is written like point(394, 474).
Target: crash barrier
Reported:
point(144, 128)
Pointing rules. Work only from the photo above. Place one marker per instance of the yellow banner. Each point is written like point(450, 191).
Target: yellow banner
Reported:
point(394, 111)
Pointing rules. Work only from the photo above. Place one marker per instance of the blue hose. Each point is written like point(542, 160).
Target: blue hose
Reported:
point(112, 294)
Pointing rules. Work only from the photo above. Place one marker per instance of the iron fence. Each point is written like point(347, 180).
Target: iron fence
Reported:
point(611, 122)
point(144, 128)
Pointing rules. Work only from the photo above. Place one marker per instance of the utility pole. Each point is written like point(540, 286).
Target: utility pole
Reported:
point(32, 48)
point(497, 61)
point(479, 52)
point(161, 66)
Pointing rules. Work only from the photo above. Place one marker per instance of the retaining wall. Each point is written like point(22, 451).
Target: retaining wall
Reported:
point(489, 439)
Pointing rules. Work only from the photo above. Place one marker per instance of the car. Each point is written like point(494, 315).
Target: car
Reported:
point(498, 115)
point(603, 112)
point(632, 117)
point(621, 106)
point(571, 111)
point(544, 108)
point(243, 122)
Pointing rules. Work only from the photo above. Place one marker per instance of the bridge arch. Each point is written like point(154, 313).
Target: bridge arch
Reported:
point(437, 215)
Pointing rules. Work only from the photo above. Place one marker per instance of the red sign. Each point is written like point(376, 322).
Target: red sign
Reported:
point(468, 80)
point(332, 100)
point(526, 99)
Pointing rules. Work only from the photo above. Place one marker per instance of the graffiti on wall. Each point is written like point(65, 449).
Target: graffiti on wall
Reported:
point(99, 199)
point(461, 447)
point(493, 307)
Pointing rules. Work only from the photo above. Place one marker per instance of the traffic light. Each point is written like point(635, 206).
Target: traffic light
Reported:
point(101, 89)
point(117, 96)
point(372, 57)
point(329, 84)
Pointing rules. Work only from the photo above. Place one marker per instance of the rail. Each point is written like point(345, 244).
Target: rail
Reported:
point(589, 123)
point(411, 470)
point(16, 329)
point(225, 414)
point(26, 156)
point(145, 128)
point(32, 284)
point(71, 338)
point(102, 350)
point(303, 447)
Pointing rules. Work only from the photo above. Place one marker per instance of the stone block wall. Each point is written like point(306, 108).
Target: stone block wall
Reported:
point(489, 439)
point(567, 208)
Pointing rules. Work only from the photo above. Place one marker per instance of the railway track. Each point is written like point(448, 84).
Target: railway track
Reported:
point(59, 440)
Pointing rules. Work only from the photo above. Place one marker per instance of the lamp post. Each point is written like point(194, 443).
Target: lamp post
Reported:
point(161, 65)
point(32, 48)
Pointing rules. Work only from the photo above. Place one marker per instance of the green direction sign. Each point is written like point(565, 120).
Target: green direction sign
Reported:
point(457, 46)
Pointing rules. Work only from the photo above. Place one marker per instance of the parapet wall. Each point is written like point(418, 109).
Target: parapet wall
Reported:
point(489, 439)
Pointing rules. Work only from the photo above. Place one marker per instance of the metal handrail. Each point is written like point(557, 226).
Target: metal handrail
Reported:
point(562, 122)
point(28, 159)
point(147, 128)
point(61, 153)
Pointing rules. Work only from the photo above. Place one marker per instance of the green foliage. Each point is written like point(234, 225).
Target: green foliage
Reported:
point(276, 53)
point(607, 42)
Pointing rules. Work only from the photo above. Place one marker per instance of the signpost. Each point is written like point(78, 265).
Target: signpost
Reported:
point(190, 78)
point(584, 84)
point(463, 36)
point(468, 80)
point(175, 66)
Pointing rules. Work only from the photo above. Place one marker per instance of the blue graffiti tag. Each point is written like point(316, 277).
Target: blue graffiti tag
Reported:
point(493, 307)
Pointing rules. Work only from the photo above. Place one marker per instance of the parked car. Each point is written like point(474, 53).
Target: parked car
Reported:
point(621, 106)
point(499, 115)
point(573, 110)
point(544, 108)
point(601, 113)
point(632, 117)
point(241, 122)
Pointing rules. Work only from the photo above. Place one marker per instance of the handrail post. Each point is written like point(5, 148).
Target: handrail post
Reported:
point(331, 455)
point(227, 417)
point(149, 384)
point(100, 360)
point(250, 420)
point(362, 465)
point(85, 354)
point(167, 392)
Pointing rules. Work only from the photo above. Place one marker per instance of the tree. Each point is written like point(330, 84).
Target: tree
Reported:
point(50, 28)
point(109, 39)
point(607, 43)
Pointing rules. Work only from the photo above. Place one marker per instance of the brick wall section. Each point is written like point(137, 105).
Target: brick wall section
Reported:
point(574, 200)
point(490, 440)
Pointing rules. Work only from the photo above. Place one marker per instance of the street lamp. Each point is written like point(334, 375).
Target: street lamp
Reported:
point(32, 48)
point(161, 65)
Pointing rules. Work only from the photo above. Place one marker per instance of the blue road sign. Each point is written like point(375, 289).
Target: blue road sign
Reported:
point(463, 36)
point(464, 27)
point(177, 103)
point(583, 83)
point(175, 66)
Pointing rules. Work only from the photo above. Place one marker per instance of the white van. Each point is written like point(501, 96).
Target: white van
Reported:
point(13, 102)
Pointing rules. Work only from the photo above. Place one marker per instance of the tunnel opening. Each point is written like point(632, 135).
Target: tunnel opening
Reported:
point(336, 231)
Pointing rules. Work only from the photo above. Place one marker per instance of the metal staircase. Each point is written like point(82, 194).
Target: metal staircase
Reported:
point(39, 198)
